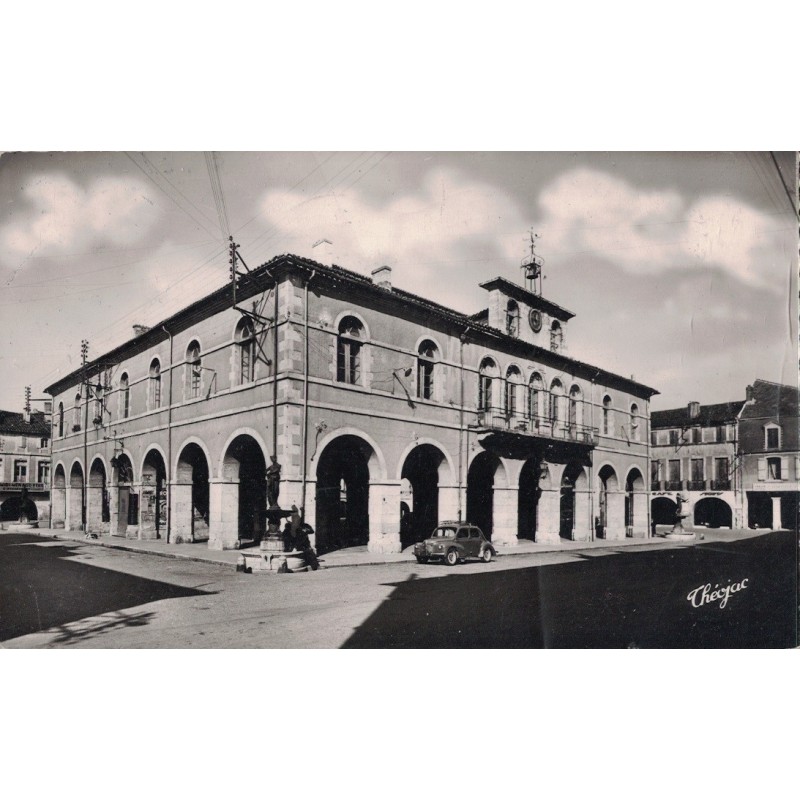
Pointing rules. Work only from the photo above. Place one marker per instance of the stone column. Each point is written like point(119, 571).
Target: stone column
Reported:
point(58, 512)
point(582, 530)
point(504, 523)
point(384, 517)
point(94, 510)
point(448, 502)
point(181, 511)
point(615, 522)
point(74, 503)
point(118, 505)
point(148, 510)
point(549, 518)
point(223, 529)
point(639, 519)
point(777, 522)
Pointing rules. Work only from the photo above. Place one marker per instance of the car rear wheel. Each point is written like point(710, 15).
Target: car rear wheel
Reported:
point(452, 557)
point(487, 555)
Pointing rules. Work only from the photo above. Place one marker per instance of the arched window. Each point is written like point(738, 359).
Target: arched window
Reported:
point(556, 401)
point(76, 413)
point(426, 360)
point(246, 351)
point(486, 373)
point(513, 379)
point(194, 371)
point(155, 384)
point(575, 407)
point(512, 318)
point(607, 424)
point(98, 404)
point(348, 351)
point(124, 396)
point(634, 422)
point(556, 336)
point(535, 394)
point(60, 419)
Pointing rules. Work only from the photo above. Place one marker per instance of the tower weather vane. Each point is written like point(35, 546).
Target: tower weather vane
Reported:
point(532, 267)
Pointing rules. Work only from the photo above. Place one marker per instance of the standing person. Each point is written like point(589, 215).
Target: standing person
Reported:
point(303, 544)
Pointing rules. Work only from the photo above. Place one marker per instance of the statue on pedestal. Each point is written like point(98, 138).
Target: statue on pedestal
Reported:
point(273, 482)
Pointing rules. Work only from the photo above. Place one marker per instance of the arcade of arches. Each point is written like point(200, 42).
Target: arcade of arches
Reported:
point(352, 498)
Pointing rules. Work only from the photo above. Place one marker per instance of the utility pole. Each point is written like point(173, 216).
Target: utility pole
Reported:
point(85, 391)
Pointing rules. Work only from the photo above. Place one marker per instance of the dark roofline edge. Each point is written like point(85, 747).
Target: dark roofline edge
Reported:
point(285, 262)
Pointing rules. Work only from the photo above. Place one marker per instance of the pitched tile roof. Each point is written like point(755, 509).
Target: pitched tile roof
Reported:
point(773, 400)
point(13, 423)
point(710, 415)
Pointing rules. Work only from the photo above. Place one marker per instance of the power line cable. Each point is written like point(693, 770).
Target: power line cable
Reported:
point(792, 200)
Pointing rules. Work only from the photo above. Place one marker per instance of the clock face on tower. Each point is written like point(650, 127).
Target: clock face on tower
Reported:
point(535, 320)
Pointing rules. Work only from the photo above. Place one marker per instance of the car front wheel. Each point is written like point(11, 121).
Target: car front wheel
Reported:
point(422, 560)
point(452, 557)
point(487, 555)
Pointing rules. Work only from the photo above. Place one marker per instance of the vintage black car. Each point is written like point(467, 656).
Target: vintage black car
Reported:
point(453, 542)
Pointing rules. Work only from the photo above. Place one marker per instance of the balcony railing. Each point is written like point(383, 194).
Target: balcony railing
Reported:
point(695, 486)
point(497, 419)
point(656, 486)
point(673, 486)
point(721, 484)
point(18, 486)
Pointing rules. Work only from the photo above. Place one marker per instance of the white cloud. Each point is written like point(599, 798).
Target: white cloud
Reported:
point(62, 217)
point(591, 212)
point(450, 220)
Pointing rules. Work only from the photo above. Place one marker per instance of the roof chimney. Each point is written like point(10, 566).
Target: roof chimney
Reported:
point(138, 330)
point(694, 409)
point(382, 277)
point(750, 394)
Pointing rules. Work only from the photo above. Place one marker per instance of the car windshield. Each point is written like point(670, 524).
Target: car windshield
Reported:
point(440, 533)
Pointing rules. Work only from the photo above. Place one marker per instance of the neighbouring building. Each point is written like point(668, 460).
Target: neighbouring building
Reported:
point(24, 466)
point(386, 411)
point(770, 456)
point(737, 463)
point(694, 451)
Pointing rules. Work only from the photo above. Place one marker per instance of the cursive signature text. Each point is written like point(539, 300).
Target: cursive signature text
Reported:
point(704, 594)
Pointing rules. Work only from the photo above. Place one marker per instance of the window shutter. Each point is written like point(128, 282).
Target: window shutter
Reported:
point(762, 469)
point(797, 468)
point(784, 468)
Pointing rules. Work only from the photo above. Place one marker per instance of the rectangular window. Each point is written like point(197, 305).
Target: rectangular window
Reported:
point(425, 380)
point(721, 466)
point(720, 433)
point(20, 471)
point(43, 472)
point(773, 438)
point(23, 443)
point(697, 469)
point(44, 444)
point(655, 471)
point(348, 362)
point(774, 469)
point(653, 438)
point(673, 437)
point(485, 393)
point(697, 435)
point(674, 470)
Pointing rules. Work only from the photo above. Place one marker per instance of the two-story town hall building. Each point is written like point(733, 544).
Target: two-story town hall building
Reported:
point(387, 412)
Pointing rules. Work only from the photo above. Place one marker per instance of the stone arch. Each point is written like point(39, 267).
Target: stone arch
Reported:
point(75, 503)
point(190, 493)
point(635, 502)
point(98, 514)
point(350, 312)
point(662, 510)
point(153, 498)
point(610, 522)
point(242, 477)
point(377, 463)
point(573, 502)
point(486, 472)
point(184, 443)
point(427, 470)
point(347, 468)
point(713, 512)
point(576, 406)
point(251, 432)
point(488, 383)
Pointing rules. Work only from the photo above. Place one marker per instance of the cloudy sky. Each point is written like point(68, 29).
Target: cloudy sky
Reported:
point(680, 268)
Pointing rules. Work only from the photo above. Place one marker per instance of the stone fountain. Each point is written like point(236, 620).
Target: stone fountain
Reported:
point(678, 531)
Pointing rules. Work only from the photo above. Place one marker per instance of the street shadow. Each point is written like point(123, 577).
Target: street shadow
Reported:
point(626, 599)
point(43, 586)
